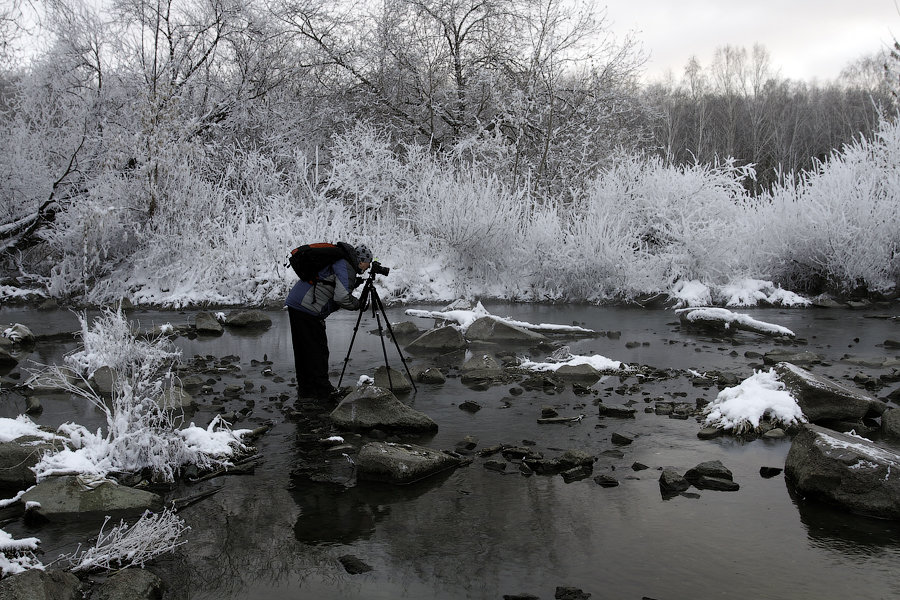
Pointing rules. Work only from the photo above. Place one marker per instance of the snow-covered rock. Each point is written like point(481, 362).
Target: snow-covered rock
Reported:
point(821, 399)
point(849, 471)
point(724, 321)
point(491, 329)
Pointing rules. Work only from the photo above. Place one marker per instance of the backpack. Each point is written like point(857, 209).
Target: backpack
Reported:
point(308, 259)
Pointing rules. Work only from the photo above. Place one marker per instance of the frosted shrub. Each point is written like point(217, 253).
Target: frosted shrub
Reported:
point(838, 226)
point(473, 214)
point(365, 169)
point(109, 341)
point(140, 433)
point(131, 546)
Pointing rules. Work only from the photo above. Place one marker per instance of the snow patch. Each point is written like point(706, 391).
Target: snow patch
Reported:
point(741, 408)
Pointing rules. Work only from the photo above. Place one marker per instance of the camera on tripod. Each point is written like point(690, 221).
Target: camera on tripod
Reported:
point(378, 269)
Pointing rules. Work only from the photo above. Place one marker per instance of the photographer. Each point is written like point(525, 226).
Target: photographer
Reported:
point(309, 303)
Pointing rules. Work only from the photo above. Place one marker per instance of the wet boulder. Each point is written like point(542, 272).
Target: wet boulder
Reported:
point(406, 330)
point(130, 584)
point(429, 375)
point(207, 324)
point(37, 584)
point(17, 458)
point(6, 356)
point(489, 329)
point(671, 482)
point(890, 423)
point(176, 399)
point(821, 399)
point(103, 381)
point(400, 463)
point(397, 381)
point(582, 373)
point(248, 319)
point(373, 407)
point(848, 471)
point(482, 369)
point(792, 356)
point(74, 497)
point(18, 334)
point(440, 340)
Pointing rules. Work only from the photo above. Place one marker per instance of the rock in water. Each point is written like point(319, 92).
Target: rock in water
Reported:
point(442, 339)
point(207, 324)
point(73, 498)
point(373, 407)
point(849, 471)
point(40, 585)
point(400, 463)
point(489, 329)
point(822, 399)
point(397, 380)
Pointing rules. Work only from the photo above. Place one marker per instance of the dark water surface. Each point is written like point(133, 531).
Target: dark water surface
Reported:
point(475, 533)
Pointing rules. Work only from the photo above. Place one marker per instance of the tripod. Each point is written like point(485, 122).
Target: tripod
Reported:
point(371, 293)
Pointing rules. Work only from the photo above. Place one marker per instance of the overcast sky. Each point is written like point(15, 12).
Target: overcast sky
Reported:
point(806, 39)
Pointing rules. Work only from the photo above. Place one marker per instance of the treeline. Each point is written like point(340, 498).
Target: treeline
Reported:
point(739, 107)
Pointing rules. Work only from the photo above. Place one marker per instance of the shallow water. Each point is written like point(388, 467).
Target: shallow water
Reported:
point(474, 533)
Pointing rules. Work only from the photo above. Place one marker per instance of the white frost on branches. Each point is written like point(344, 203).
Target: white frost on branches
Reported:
point(131, 546)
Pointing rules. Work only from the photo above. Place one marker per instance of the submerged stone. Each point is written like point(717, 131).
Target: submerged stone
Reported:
point(400, 463)
point(373, 407)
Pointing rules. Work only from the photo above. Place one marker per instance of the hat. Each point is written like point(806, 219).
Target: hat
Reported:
point(363, 254)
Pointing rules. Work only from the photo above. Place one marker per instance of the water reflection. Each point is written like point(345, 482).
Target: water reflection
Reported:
point(840, 532)
point(333, 515)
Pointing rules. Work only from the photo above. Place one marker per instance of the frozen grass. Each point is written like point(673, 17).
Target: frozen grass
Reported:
point(131, 545)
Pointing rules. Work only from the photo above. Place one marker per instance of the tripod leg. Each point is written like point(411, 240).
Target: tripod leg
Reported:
point(366, 287)
point(376, 299)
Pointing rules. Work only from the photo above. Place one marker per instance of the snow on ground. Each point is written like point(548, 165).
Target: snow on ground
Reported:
point(601, 363)
point(750, 292)
point(690, 293)
point(11, 429)
point(465, 318)
point(742, 407)
point(740, 292)
point(729, 317)
point(10, 565)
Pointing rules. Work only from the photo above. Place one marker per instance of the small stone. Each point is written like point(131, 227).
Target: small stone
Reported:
point(769, 472)
point(708, 433)
point(606, 481)
point(354, 565)
point(470, 406)
point(570, 593)
point(495, 465)
point(621, 440)
point(639, 466)
point(577, 474)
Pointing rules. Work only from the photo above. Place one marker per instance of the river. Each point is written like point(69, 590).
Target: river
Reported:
point(477, 533)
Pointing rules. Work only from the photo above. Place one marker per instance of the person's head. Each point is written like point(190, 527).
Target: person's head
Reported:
point(364, 256)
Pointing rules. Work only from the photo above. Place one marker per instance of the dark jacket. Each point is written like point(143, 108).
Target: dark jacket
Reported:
point(328, 293)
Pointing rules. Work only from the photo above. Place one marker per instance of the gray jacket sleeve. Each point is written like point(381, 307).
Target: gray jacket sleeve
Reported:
point(342, 285)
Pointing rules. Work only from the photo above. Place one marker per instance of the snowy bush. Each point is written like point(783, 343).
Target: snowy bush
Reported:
point(837, 227)
point(131, 545)
point(140, 433)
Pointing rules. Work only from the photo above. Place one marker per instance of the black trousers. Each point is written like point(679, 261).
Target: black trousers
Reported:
point(310, 354)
